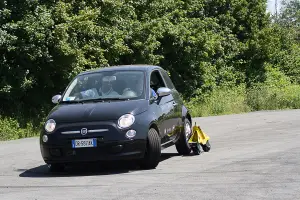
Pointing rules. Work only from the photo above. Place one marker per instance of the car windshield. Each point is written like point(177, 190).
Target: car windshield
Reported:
point(118, 85)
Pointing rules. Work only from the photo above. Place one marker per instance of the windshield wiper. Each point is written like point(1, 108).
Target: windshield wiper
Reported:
point(96, 100)
point(103, 99)
point(71, 101)
point(110, 98)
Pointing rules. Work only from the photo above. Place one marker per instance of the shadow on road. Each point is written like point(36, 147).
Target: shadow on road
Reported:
point(88, 169)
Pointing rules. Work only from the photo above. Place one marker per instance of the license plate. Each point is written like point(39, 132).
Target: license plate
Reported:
point(84, 143)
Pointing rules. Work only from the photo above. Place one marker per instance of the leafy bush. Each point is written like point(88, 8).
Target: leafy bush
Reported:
point(238, 100)
point(277, 92)
point(223, 100)
point(272, 98)
point(10, 129)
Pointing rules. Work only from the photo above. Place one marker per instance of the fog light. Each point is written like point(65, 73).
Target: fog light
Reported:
point(130, 134)
point(45, 138)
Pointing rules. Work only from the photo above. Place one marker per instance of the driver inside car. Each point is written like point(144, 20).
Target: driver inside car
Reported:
point(89, 91)
point(106, 88)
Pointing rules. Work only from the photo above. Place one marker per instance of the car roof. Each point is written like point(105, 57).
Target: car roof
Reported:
point(137, 67)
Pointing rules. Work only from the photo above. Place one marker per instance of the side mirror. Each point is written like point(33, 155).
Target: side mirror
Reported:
point(56, 98)
point(163, 91)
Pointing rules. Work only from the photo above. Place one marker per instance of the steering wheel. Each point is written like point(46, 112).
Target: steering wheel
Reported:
point(127, 92)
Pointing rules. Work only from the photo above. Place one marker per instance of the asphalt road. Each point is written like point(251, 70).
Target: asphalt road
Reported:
point(253, 156)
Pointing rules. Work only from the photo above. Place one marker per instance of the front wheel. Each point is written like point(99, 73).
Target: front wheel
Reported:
point(182, 145)
point(153, 151)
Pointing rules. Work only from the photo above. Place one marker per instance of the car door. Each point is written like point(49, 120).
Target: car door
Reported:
point(163, 107)
point(177, 104)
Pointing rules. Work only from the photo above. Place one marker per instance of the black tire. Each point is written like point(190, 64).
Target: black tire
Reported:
point(56, 167)
point(182, 145)
point(206, 147)
point(153, 151)
point(196, 149)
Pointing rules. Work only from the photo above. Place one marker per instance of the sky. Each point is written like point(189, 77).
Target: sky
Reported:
point(271, 6)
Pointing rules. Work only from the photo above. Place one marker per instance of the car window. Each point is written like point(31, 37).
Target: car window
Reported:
point(108, 84)
point(156, 81)
point(167, 79)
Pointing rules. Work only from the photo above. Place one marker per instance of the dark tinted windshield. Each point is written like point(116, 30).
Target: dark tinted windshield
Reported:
point(109, 84)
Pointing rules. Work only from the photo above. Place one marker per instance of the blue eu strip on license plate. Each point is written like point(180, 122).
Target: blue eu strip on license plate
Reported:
point(83, 143)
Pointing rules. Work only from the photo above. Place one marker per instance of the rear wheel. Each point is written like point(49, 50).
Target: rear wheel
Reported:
point(182, 145)
point(153, 151)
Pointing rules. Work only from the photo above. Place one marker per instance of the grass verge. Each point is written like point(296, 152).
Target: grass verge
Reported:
point(237, 100)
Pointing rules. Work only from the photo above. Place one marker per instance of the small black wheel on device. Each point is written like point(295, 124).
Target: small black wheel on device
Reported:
point(206, 147)
point(196, 149)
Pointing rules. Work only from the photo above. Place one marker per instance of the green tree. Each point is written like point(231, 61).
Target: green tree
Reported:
point(202, 43)
point(290, 13)
point(288, 33)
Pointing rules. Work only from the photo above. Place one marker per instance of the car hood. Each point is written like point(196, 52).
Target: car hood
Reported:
point(96, 111)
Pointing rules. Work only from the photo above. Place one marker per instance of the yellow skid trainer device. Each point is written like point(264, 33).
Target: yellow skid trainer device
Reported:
point(199, 139)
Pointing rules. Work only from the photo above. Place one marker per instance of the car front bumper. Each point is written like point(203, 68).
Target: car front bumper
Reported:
point(122, 150)
point(111, 145)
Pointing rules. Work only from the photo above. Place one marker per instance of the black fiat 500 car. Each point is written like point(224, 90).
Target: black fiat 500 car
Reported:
point(116, 113)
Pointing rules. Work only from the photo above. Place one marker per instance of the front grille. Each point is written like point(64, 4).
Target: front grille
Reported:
point(103, 131)
point(81, 131)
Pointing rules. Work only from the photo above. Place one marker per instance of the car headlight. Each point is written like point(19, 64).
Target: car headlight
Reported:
point(50, 125)
point(126, 121)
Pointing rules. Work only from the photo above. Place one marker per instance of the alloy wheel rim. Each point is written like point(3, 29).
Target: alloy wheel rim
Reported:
point(187, 131)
